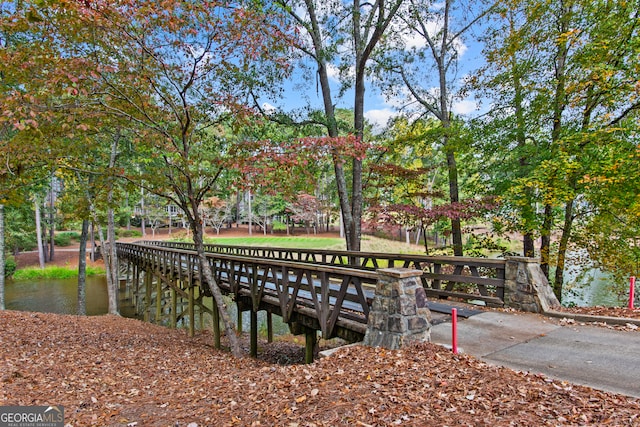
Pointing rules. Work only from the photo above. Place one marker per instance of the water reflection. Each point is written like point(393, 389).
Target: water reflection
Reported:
point(56, 295)
point(585, 284)
point(61, 296)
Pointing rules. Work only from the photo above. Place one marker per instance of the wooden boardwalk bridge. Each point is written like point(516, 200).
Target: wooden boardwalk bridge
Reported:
point(312, 290)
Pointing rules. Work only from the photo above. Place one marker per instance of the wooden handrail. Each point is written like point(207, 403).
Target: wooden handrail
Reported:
point(447, 276)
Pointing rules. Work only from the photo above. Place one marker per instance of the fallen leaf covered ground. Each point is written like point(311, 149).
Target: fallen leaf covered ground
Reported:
point(112, 371)
point(600, 310)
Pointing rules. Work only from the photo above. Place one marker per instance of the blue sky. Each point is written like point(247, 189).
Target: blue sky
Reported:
point(303, 90)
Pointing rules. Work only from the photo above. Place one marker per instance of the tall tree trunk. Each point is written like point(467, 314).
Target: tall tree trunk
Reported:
point(93, 242)
point(456, 228)
point(562, 249)
point(45, 233)
point(558, 107)
point(545, 239)
point(36, 205)
point(355, 231)
point(143, 214)
point(528, 245)
point(104, 245)
point(332, 129)
point(529, 248)
point(198, 233)
point(82, 269)
point(112, 261)
point(365, 33)
point(2, 257)
point(250, 209)
point(52, 225)
point(110, 255)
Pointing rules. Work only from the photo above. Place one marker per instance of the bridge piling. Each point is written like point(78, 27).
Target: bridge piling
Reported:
point(148, 281)
point(269, 327)
point(174, 308)
point(215, 319)
point(239, 319)
point(253, 333)
point(192, 331)
point(158, 300)
point(310, 341)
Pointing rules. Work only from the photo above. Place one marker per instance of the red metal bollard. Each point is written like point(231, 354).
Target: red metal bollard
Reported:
point(454, 330)
point(632, 285)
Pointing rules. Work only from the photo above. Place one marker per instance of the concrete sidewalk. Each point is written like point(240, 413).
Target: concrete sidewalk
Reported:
point(598, 357)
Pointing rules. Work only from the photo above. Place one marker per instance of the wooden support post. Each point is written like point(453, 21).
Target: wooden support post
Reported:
point(216, 325)
point(254, 333)
point(136, 279)
point(239, 323)
point(269, 327)
point(148, 278)
point(201, 308)
point(128, 283)
point(191, 311)
point(174, 308)
point(310, 339)
point(158, 300)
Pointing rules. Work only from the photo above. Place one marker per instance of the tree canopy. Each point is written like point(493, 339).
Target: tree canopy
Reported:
point(122, 99)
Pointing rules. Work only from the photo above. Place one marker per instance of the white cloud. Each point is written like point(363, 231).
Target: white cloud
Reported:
point(334, 72)
point(460, 47)
point(433, 19)
point(464, 107)
point(412, 40)
point(379, 118)
point(268, 108)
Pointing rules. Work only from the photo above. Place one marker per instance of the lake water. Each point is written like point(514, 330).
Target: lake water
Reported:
point(591, 289)
point(585, 284)
point(56, 296)
point(61, 296)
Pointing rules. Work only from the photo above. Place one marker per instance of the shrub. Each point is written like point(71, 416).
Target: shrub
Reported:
point(279, 226)
point(9, 266)
point(123, 232)
point(62, 239)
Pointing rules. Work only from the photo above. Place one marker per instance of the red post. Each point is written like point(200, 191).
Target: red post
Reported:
point(632, 285)
point(454, 330)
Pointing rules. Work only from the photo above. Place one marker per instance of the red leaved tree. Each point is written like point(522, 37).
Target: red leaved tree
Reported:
point(305, 208)
point(412, 216)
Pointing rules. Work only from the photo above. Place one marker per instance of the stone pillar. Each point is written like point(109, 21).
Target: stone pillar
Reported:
point(399, 314)
point(526, 288)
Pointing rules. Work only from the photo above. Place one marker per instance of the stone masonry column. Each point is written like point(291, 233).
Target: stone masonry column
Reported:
point(526, 288)
point(399, 314)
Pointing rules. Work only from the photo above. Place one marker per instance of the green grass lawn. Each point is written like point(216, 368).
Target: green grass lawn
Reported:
point(52, 272)
point(299, 242)
point(369, 243)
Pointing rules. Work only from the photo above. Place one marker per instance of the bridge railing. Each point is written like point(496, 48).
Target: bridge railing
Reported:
point(442, 276)
point(329, 298)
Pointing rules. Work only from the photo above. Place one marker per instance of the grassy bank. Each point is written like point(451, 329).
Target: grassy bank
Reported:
point(53, 272)
point(300, 242)
point(369, 243)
